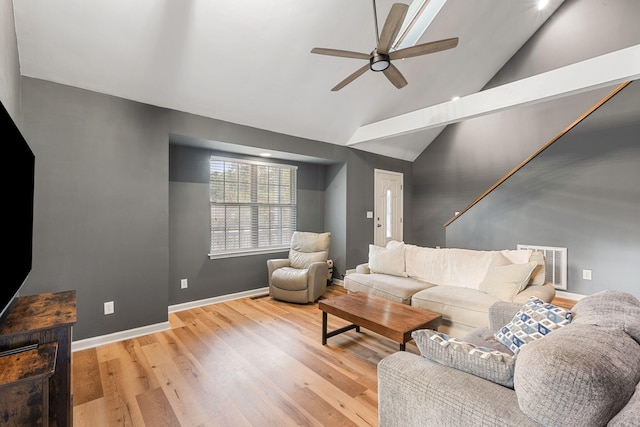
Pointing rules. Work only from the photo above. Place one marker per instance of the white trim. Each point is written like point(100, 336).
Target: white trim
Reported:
point(216, 300)
point(252, 162)
point(159, 327)
point(249, 252)
point(379, 237)
point(569, 295)
point(602, 71)
point(119, 336)
point(337, 281)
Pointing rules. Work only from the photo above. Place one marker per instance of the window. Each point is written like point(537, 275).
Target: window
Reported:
point(253, 206)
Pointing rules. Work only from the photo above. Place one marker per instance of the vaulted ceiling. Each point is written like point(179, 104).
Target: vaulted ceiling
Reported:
point(249, 61)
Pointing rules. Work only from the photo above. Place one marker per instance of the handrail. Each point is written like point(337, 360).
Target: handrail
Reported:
point(540, 150)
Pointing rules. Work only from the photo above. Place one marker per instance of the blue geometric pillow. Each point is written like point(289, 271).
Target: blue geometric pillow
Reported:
point(534, 320)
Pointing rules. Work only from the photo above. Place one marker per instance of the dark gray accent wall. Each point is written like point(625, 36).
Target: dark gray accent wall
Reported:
point(360, 197)
point(116, 223)
point(335, 204)
point(469, 157)
point(581, 193)
point(9, 63)
point(101, 205)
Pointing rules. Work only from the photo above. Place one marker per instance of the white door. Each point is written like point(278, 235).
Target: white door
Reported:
point(388, 207)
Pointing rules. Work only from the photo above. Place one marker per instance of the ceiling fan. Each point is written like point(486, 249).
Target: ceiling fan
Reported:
point(381, 57)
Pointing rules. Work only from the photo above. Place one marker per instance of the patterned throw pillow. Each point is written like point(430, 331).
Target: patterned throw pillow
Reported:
point(483, 362)
point(534, 320)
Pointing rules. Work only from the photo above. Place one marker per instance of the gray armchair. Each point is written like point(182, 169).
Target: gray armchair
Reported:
point(302, 277)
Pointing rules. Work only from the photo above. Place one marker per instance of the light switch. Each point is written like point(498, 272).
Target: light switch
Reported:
point(369, 214)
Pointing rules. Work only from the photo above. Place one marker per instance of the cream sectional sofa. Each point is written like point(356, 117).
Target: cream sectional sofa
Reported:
point(460, 284)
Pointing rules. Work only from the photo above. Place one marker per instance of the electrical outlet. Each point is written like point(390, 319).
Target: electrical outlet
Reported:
point(109, 307)
point(183, 284)
point(586, 274)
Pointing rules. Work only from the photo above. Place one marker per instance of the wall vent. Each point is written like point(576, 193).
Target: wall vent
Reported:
point(555, 264)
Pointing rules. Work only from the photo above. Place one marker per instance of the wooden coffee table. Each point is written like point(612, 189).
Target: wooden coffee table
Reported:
point(390, 319)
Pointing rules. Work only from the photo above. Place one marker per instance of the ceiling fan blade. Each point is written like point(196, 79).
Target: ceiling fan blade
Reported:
point(392, 26)
point(360, 71)
point(424, 48)
point(395, 76)
point(341, 53)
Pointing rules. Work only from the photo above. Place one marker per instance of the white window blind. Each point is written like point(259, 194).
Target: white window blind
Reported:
point(253, 206)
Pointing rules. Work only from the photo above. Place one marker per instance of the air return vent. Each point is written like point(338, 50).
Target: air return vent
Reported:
point(555, 264)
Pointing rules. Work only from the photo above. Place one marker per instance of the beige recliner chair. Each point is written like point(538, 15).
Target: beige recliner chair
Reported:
point(301, 278)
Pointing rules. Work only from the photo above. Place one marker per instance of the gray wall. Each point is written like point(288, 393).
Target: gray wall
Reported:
point(9, 64)
point(111, 224)
point(335, 204)
point(360, 178)
point(101, 205)
point(189, 224)
point(468, 157)
point(581, 193)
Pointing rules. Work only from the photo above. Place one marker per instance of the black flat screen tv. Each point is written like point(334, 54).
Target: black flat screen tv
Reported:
point(18, 172)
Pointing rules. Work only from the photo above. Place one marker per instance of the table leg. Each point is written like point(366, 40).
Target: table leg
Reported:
point(324, 328)
point(326, 334)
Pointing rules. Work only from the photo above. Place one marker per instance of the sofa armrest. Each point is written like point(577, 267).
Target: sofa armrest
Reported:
point(317, 280)
point(363, 269)
point(545, 292)
point(413, 391)
point(501, 313)
point(274, 264)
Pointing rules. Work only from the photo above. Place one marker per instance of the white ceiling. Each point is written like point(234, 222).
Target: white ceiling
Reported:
point(249, 61)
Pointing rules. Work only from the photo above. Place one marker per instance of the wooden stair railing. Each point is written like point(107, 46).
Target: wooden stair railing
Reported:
point(540, 150)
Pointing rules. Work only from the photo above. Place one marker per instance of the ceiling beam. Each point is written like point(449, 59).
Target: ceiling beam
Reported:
point(601, 71)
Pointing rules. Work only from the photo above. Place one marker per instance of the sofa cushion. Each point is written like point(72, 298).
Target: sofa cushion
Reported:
point(290, 279)
point(468, 307)
point(305, 259)
point(387, 260)
point(610, 308)
point(505, 280)
point(538, 277)
point(399, 289)
point(483, 337)
point(582, 374)
point(480, 361)
point(449, 267)
point(308, 247)
point(533, 321)
point(521, 256)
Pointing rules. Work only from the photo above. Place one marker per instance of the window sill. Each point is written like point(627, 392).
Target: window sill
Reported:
point(249, 253)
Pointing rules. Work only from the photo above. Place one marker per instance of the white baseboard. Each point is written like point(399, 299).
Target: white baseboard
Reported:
point(338, 282)
point(569, 295)
point(119, 336)
point(159, 327)
point(217, 300)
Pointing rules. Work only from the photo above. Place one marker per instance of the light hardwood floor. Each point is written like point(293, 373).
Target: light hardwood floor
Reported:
point(247, 362)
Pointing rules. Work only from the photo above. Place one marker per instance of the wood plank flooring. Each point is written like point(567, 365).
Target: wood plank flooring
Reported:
point(247, 362)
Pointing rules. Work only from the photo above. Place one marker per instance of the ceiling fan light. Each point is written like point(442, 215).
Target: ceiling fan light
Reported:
point(379, 62)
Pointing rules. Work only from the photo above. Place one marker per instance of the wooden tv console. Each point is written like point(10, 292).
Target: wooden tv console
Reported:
point(35, 325)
